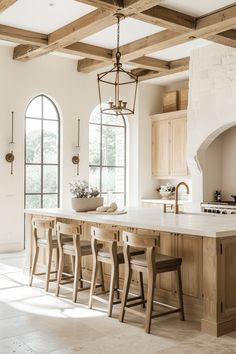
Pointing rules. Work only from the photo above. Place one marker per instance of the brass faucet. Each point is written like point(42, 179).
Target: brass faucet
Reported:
point(177, 195)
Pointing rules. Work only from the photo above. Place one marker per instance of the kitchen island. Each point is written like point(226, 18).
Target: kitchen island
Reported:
point(206, 243)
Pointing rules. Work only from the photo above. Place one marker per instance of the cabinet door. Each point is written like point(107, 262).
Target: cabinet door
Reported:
point(228, 277)
point(161, 148)
point(189, 248)
point(178, 147)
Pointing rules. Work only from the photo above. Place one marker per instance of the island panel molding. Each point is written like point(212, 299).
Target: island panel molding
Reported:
point(206, 243)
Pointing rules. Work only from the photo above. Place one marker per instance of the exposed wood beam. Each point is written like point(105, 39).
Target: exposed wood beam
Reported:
point(150, 63)
point(88, 65)
point(216, 22)
point(227, 38)
point(176, 66)
point(4, 4)
point(103, 4)
point(22, 36)
point(181, 64)
point(151, 44)
point(83, 27)
point(167, 18)
point(88, 51)
point(205, 26)
point(79, 29)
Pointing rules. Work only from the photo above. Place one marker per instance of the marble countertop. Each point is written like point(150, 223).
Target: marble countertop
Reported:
point(199, 224)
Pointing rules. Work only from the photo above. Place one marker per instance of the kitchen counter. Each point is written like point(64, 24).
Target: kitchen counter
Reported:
point(199, 224)
point(165, 201)
point(205, 242)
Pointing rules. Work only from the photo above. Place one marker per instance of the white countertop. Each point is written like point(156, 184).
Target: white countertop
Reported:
point(164, 201)
point(201, 224)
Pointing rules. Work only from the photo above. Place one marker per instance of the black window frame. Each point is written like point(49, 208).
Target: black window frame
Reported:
point(100, 165)
point(42, 164)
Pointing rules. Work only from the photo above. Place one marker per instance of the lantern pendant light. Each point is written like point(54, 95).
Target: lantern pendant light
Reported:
point(116, 83)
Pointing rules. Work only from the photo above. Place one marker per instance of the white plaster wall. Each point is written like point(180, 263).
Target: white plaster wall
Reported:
point(212, 103)
point(76, 96)
point(150, 102)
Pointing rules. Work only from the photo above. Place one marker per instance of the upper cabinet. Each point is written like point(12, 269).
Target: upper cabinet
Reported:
point(169, 138)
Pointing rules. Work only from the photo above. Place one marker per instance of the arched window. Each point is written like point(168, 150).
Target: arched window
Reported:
point(107, 155)
point(42, 154)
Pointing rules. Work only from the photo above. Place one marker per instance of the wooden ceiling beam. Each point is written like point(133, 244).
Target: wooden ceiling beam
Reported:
point(167, 18)
point(21, 36)
point(103, 4)
point(205, 26)
point(176, 66)
point(88, 51)
point(151, 44)
point(5, 4)
point(150, 63)
point(83, 27)
point(227, 38)
point(89, 65)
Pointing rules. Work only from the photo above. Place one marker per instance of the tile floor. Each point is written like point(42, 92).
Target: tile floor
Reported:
point(34, 322)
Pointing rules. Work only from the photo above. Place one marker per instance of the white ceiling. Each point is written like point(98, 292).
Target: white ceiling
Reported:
point(196, 7)
point(181, 50)
point(130, 30)
point(44, 16)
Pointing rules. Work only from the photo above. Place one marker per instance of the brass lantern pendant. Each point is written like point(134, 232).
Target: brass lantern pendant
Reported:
point(122, 82)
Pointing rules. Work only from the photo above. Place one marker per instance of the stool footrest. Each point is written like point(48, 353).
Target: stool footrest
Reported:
point(166, 313)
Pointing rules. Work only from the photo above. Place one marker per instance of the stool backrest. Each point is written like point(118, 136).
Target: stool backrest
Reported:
point(68, 229)
point(104, 235)
point(42, 228)
point(142, 238)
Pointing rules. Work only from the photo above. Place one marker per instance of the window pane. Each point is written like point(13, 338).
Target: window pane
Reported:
point(33, 179)
point(112, 120)
point(33, 140)
point(94, 144)
point(112, 179)
point(34, 109)
point(96, 116)
point(50, 142)
point(117, 198)
point(33, 201)
point(113, 146)
point(94, 177)
point(50, 201)
point(50, 179)
point(49, 110)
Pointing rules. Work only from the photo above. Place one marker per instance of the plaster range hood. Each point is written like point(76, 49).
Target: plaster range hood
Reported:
point(211, 145)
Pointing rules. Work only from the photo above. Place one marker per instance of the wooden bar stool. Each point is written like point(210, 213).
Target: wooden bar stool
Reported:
point(76, 248)
point(43, 238)
point(151, 263)
point(112, 255)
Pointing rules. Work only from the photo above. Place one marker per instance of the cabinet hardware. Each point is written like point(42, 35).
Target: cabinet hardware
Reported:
point(221, 306)
point(221, 249)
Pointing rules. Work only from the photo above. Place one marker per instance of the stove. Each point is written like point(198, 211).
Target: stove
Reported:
point(224, 207)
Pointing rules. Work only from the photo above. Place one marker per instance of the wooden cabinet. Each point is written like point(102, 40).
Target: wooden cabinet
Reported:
point(169, 135)
point(189, 248)
point(228, 278)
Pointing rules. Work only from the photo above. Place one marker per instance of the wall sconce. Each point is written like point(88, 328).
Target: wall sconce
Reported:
point(10, 156)
point(76, 158)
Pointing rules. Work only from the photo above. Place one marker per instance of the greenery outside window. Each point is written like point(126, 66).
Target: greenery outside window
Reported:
point(42, 154)
point(107, 155)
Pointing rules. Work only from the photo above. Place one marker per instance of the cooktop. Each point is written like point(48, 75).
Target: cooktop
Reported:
point(221, 203)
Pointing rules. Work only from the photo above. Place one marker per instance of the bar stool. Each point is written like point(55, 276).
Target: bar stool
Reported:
point(112, 255)
point(76, 248)
point(152, 263)
point(43, 238)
